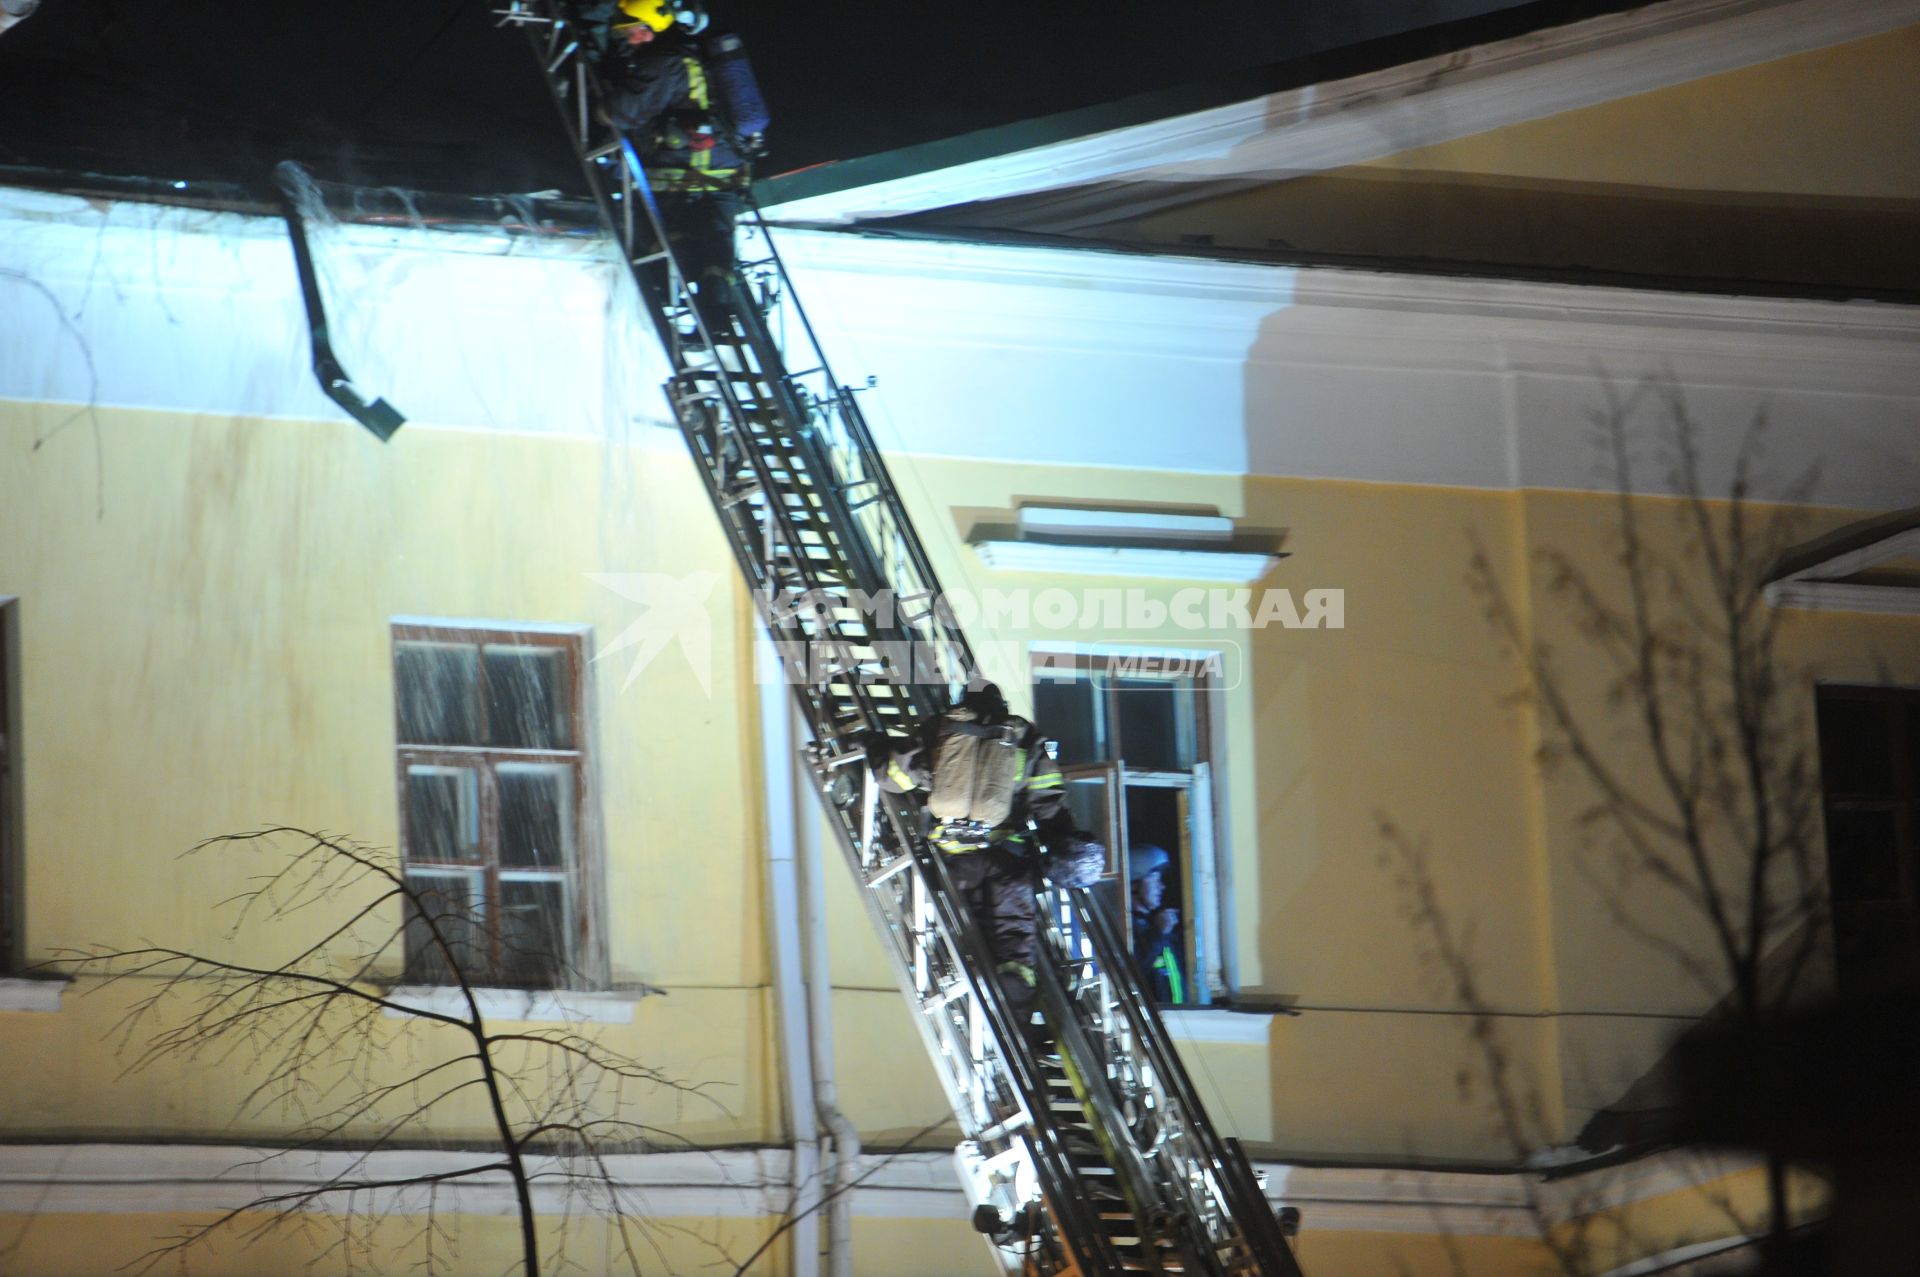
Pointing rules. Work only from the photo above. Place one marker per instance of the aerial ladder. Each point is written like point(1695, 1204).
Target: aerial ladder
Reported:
point(1091, 1155)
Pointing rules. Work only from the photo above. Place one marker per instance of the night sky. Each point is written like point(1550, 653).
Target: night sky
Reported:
point(430, 94)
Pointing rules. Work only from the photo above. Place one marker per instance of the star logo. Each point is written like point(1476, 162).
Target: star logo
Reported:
point(675, 610)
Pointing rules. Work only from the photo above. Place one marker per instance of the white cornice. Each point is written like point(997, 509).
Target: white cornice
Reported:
point(1324, 126)
point(1068, 357)
point(1526, 306)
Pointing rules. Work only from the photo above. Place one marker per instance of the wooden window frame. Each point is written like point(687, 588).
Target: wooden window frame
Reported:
point(585, 966)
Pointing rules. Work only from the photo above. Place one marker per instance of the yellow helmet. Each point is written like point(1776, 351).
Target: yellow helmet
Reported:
point(654, 15)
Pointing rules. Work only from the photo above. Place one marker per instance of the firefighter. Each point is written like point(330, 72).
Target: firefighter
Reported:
point(694, 114)
point(997, 799)
point(1156, 926)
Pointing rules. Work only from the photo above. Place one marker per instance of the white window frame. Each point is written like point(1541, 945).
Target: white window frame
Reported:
point(1207, 948)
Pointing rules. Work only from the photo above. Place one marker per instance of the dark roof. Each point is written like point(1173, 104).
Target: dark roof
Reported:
point(431, 95)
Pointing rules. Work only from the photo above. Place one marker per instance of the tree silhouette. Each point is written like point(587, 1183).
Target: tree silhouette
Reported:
point(317, 1028)
point(1699, 821)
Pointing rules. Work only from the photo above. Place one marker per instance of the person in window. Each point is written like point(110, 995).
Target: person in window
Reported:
point(997, 798)
point(1156, 926)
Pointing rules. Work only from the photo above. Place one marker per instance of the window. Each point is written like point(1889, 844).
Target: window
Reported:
point(492, 803)
point(1870, 778)
point(1133, 741)
point(10, 867)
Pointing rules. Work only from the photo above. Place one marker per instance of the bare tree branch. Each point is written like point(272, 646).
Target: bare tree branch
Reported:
point(314, 1040)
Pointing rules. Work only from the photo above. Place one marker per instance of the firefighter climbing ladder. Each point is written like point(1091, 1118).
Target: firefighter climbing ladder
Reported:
point(1092, 1156)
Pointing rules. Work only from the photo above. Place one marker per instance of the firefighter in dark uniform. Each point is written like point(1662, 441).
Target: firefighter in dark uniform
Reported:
point(695, 116)
point(997, 799)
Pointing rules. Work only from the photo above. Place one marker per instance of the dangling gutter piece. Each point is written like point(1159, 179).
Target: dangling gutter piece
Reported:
point(381, 417)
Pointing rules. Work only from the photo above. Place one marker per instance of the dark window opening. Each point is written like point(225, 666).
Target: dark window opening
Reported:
point(1133, 746)
point(1870, 784)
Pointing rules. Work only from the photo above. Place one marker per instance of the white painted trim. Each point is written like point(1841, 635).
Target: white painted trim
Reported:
point(1126, 561)
point(1666, 1259)
point(1507, 1204)
point(522, 1006)
point(1820, 587)
point(1526, 305)
point(106, 1179)
point(1219, 1025)
point(1840, 596)
point(161, 1178)
point(30, 995)
point(1234, 368)
point(1893, 546)
point(1324, 126)
point(1122, 524)
point(484, 623)
point(1074, 647)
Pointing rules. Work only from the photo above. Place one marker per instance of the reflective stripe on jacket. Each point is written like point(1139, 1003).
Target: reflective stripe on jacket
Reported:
point(663, 98)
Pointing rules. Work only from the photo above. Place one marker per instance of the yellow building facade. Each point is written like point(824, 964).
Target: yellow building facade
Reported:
point(1271, 477)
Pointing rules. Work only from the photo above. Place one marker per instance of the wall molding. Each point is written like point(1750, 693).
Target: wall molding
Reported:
point(1814, 576)
point(1230, 567)
point(31, 995)
point(156, 1179)
point(1219, 1025)
point(524, 1006)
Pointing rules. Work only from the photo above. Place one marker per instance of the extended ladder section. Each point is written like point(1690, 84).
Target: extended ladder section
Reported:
point(1086, 1154)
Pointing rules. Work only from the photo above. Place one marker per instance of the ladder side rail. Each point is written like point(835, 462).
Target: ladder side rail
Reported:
point(560, 51)
point(1204, 1169)
point(861, 440)
point(942, 1027)
point(1137, 1185)
point(897, 926)
point(1171, 1131)
point(769, 522)
point(890, 516)
point(868, 562)
point(749, 528)
point(1051, 1165)
point(1066, 1196)
point(1066, 1189)
point(1146, 1128)
point(614, 213)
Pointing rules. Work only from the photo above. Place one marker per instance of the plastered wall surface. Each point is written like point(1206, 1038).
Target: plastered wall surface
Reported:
point(206, 649)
